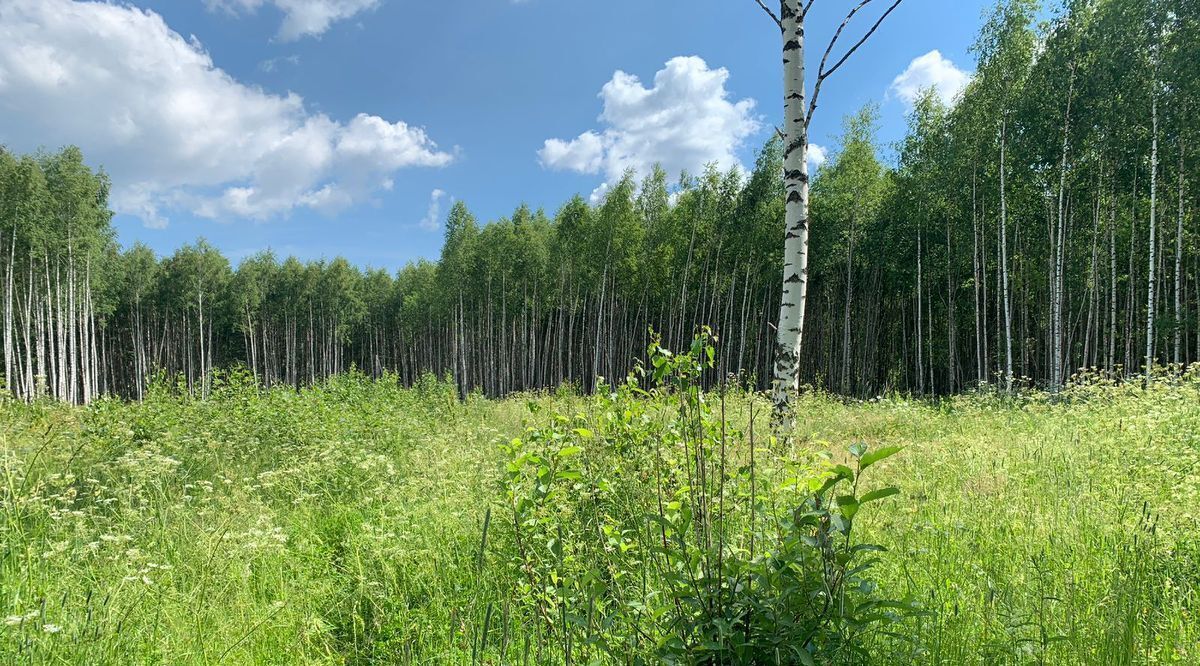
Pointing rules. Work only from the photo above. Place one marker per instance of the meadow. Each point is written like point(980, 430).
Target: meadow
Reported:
point(358, 522)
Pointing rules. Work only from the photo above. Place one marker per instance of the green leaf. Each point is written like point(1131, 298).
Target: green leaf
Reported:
point(829, 483)
point(584, 433)
point(843, 472)
point(568, 451)
point(879, 494)
point(849, 505)
point(877, 455)
point(857, 449)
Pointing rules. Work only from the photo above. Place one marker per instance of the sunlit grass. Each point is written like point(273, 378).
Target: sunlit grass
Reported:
point(342, 524)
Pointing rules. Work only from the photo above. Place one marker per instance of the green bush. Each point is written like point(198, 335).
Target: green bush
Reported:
point(640, 529)
point(359, 522)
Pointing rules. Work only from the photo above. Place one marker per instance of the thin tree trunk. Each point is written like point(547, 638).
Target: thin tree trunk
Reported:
point(920, 315)
point(1112, 278)
point(790, 331)
point(1059, 248)
point(1179, 315)
point(1008, 364)
point(1150, 276)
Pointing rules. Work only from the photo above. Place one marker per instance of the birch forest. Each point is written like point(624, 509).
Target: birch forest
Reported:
point(1041, 225)
point(923, 391)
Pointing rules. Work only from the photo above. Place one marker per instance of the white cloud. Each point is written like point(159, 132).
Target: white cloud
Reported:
point(433, 218)
point(931, 70)
point(817, 154)
point(301, 18)
point(685, 121)
point(271, 64)
point(599, 194)
point(584, 154)
point(174, 131)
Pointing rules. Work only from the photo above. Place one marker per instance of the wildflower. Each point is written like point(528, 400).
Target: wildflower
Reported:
point(51, 628)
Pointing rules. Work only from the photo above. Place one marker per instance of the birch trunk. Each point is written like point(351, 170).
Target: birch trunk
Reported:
point(1090, 340)
point(951, 317)
point(1153, 232)
point(790, 333)
point(846, 310)
point(1112, 283)
point(8, 323)
point(1178, 351)
point(1008, 362)
point(1056, 293)
point(920, 316)
point(977, 282)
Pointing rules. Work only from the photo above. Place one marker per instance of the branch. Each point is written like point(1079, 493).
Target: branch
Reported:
point(861, 41)
point(770, 13)
point(807, 7)
point(823, 73)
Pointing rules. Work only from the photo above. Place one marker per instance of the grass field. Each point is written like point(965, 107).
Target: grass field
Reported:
point(346, 524)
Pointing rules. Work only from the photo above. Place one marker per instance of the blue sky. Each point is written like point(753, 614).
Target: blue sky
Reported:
point(347, 127)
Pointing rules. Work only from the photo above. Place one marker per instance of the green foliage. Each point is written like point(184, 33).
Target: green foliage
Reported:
point(361, 522)
point(542, 298)
point(643, 530)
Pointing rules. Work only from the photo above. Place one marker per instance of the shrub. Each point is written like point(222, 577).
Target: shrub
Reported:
point(648, 528)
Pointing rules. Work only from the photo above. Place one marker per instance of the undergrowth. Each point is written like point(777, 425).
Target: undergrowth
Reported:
point(362, 523)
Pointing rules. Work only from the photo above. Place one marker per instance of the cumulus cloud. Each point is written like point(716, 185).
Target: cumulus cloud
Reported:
point(174, 131)
point(433, 218)
point(584, 154)
point(817, 154)
point(598, 195)
point(684, 121)
point(301, 18)
point(931, 70)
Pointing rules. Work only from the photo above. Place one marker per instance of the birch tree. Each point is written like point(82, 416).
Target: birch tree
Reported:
point(532, 301)
point(1005, 49)
point(798, 109)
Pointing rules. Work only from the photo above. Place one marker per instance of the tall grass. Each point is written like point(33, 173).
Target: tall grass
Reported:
point(345, 524)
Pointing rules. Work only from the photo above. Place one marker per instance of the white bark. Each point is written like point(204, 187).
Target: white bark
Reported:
point(1057, 294)
point(848, 304)
point(976, 283)
point(1008, 364)
point(797, 113)
point(1089, 339)
point(8, 323)
point(1178, 357)
point(920, 315)
point(1153, 236)
point(1112, 284)
point(790, 333)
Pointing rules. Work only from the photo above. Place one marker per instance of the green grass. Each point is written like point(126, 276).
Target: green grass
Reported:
point(343, 525)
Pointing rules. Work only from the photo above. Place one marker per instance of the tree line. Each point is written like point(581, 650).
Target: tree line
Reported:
point(1040, 224)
